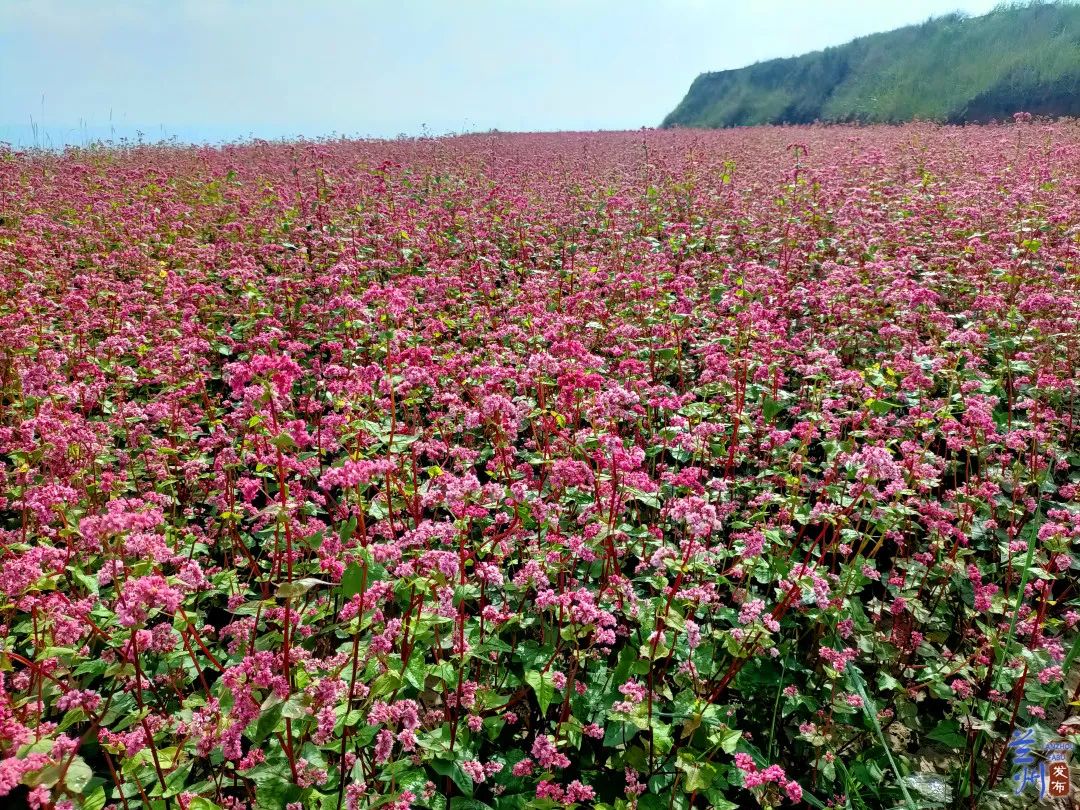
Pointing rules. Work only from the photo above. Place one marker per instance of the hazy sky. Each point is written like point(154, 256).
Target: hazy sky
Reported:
point(211, 69)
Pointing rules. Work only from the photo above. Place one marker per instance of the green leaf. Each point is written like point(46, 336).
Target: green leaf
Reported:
point(71, 717)
point(700, 778)
point(726, 738)
point(268, 721)
point(616, 734)
point(348, 529)
point(283, 441)
point(290, 590)
point(95, 666)
point(621, 673)
point(699, 775)
point(948, 734)
point(176, 781)
point(453, 770)
point(513, 801)
point(199, 803)
point(88, 582)
point(544, 688)
point(770, 408)
point(352, 580)
point(96, 800)
point(661, 736)
point(880, 407)
point(647, 498)
point(293, 708)
point(78, 775)
point(933, 787)
point(416, 672)
point(274, 787)
point(365, 734)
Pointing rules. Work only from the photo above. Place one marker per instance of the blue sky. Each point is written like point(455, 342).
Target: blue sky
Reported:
point(226, 69)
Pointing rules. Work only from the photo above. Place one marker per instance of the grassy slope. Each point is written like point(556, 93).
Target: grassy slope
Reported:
point(950, 68)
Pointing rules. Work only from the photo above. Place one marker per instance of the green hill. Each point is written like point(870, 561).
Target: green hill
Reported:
point(953, 68)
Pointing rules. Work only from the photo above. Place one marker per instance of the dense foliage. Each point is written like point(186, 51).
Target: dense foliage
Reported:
point(658, 469)
point(951, 68)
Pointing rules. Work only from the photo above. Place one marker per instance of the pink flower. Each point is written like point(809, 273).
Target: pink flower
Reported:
point(962, 688)
point(474, 770)
point(543, 749)
point(577, 792)
point(384, 744)
point(750, 611)
point(793, 790)
point(522, 767)
point(693, 634)
point(1052, 673)
point(838, 659)
point(140, 596)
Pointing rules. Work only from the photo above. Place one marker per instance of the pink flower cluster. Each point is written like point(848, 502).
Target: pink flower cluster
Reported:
point(753, 777)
